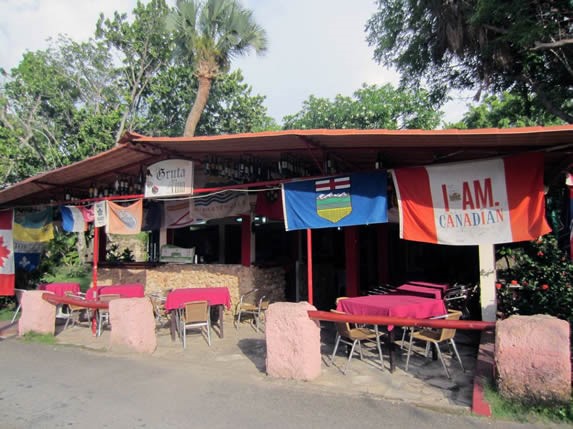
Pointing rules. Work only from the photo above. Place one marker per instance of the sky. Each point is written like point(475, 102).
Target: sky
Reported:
point(316, 47)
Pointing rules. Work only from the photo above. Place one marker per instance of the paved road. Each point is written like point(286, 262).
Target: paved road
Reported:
point(46, 386)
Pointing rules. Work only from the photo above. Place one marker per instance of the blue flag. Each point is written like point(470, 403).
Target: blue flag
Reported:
point(353, 199)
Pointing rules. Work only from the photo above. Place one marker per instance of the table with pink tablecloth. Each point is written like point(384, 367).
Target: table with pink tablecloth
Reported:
point(216, 296)
point(423, 291)
point(395, 305)
point(128, 290)
point(60, 289)
point(441, 286)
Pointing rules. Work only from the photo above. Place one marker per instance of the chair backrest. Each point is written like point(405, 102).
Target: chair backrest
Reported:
point(196, 311)
point(73, 306)
point(263, 303)
point(449, 333)
point(340, 298)
point(109, 297)
point(247, 296)
point(18, 294)
point(343, 328)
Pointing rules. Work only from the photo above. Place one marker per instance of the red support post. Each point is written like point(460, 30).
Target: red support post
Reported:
point(352, 252)
point(309, 264)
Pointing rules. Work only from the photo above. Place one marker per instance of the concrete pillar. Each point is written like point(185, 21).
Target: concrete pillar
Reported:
point(38, 315)
point(132, 324)
point(293, 341)
point(487, 276)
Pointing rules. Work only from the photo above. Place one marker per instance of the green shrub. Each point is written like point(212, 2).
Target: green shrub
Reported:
point(538, 280)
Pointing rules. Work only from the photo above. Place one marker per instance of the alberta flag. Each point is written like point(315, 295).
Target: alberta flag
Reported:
point(353, 199)
point(472, 203)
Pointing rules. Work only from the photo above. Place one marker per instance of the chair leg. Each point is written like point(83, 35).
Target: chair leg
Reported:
point(379, 346)
point(209, 332)
point(457, 354)
point(441, 356)
point(336, 342)
point(16, 313)
point(409, 353)
point(350, 355)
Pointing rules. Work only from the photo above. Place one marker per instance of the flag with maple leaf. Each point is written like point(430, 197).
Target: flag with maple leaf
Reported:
point(6, 253)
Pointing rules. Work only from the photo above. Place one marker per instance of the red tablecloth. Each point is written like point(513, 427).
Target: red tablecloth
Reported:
point(423, 291)
point(60, 289)
point(441, 286)
point(215, 295)
point(132, 290)
point(393, 305)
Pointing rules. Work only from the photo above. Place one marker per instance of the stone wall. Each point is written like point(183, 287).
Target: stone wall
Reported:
point(269, 282)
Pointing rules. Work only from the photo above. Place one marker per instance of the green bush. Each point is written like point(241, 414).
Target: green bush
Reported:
point(538, 280)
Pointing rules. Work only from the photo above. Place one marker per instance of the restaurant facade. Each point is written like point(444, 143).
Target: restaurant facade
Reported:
point(250, 247)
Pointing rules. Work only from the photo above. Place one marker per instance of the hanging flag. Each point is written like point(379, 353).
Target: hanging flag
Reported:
point(27, 256)
point(73, 219)
point(355, 199)
point(87, 213)
point(34, 227)
point(219, 205)
point(6, 253)
point(100, 213)
point(177, 214)
point(124, 220)
point(480, 202)
point(269, 204)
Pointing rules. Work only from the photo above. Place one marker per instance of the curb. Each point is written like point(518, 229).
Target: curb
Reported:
point(484, 373)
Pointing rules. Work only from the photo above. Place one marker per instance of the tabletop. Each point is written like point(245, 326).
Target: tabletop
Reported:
point(215, 295)
point(129, 290)
point(393, 305)
point(441, 286)
point(423, 291)
point(60, 289)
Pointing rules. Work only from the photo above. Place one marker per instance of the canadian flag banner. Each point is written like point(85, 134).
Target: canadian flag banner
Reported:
point(472, 203)
point(6, 253)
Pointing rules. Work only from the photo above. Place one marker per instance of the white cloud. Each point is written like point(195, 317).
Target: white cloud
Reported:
point(316, 47)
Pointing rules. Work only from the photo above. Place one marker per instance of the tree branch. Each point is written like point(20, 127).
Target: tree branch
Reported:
point(550, 45)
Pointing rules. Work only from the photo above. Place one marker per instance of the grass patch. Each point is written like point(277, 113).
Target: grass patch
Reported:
point(503, 409)
point(6, 313)
point(35, 337)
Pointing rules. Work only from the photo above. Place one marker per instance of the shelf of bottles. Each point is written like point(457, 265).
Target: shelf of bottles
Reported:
point(122, 185)
point(250, 169)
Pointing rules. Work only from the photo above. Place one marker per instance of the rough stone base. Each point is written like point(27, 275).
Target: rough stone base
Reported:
point(293, 341)
point(532, 357)
point(38, 315)
point(132, 324)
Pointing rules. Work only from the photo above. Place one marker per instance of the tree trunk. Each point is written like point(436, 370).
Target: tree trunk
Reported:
point(198, 106)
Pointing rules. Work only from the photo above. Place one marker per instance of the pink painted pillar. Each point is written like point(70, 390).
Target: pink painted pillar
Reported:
point(293, 341)
point(38, 315)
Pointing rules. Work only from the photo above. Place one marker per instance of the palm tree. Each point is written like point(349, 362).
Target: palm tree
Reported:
point(209, 35)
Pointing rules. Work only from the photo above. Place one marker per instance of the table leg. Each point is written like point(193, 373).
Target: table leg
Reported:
point(221, 313)
point(172, 324)
point(392, 348)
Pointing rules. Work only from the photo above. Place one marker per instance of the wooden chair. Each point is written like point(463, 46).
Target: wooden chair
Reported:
point(353, 337)
point(74, 311)
point(255, 310)
point(437, 337)
point(103, 313)
point(18, 295)
point(195, 314)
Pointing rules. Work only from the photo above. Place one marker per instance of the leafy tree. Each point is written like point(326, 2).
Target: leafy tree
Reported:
point(506, 111)
point(208, 35)
point(231, 107)
point(143, 46)
point(522, 47)
point(370, 107)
